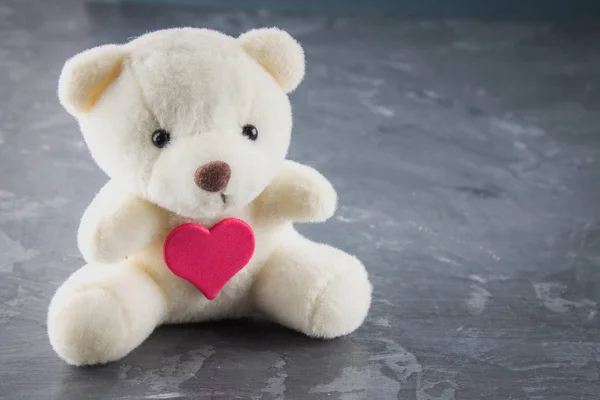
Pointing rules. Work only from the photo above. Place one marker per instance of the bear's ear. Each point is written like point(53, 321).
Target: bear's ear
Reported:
point(86, 76)
point(279, 53)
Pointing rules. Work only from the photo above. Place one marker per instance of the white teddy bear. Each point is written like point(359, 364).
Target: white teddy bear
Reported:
point(193, 126)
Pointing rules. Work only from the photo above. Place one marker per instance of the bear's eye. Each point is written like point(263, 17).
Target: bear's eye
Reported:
point(161, 138)
point(250, 132)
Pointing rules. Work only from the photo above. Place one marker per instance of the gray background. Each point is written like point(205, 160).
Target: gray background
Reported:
point(466, 158)
point(513, 9)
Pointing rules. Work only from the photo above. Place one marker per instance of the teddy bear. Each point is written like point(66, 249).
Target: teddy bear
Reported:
point(192, 128)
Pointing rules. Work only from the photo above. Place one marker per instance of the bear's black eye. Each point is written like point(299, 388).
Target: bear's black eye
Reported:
point(161, 138)
point(250, 132)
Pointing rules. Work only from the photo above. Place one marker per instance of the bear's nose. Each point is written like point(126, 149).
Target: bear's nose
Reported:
point(213, 177)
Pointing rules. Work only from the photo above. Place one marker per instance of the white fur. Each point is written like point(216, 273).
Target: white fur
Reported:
point(278, 53)
point(85, 75)
point(203, 87)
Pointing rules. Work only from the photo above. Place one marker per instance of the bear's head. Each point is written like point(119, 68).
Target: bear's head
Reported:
point(192, 120)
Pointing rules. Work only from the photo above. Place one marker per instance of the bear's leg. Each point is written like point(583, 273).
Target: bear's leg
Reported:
point(313, 288)
point(102, 312)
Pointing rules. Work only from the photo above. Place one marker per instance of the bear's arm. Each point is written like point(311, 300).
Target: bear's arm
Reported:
point(115, 225)
point(298, 193)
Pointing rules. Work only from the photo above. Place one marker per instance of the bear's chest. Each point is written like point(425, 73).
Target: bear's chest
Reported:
point(267, 239)
point(266, 236)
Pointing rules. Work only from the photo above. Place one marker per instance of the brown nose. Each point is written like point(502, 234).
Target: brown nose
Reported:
point(213, 177)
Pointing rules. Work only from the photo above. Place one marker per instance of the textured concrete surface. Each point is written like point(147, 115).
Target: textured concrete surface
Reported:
point(467, 159)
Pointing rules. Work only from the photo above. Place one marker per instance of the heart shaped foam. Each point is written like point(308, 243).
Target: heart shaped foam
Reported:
point(208, 259)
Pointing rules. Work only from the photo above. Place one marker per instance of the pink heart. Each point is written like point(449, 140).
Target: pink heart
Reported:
point(208, 259)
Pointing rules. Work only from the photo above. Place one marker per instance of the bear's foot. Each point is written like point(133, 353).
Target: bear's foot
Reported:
point(101, 313)
point(314, 288)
